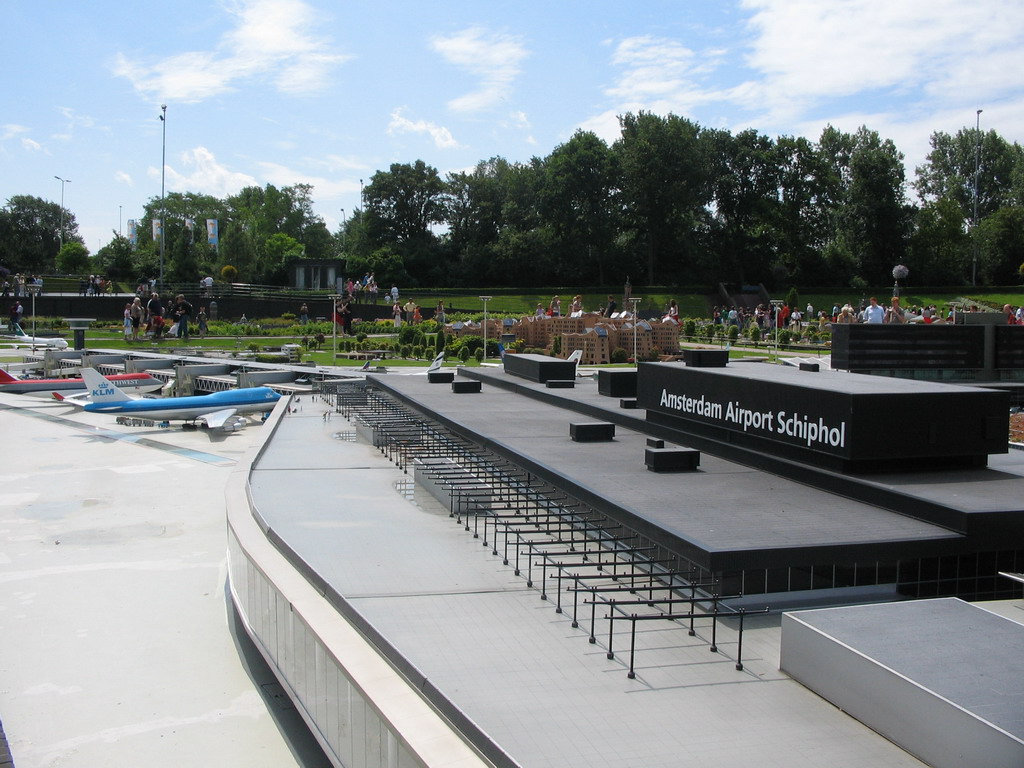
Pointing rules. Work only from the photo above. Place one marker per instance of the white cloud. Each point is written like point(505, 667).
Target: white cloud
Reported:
point(31, 145)
point(493, 58)
point(343, 163)
point(949, 52)
point(442, 137)
point(283, 176)
point(123, 178)
point(11, 130)
point(205, 175)
point(271, 39)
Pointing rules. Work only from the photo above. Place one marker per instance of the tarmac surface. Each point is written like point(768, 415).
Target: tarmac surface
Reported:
point(118, 641)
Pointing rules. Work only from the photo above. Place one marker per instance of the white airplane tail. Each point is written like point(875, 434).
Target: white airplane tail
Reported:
point(436, 365)
point(575, 357)
point(101, 389)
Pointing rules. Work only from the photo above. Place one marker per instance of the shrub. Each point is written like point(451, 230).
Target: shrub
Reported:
point(405, 351)
point(689, 328)
point(464, 354)
point(479, 354)
point(619, 355)
point(754, 331)
point(734, 333)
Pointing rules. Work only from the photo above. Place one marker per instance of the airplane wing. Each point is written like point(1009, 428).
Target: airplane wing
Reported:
point(217, 419)
point(79, 400)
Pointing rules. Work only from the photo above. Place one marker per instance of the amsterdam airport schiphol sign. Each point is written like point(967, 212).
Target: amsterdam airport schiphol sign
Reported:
point(851, 417)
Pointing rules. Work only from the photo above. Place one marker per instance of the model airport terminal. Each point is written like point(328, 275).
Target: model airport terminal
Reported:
point(520, 566)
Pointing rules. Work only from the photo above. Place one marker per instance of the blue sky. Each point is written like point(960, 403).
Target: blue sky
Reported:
point(326, 92)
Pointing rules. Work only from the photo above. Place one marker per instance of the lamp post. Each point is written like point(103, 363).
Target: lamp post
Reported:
point(977, 169)
point(33, 289)
point(335, 298)
point(776, 308)
point(60, 233)
point(163, 202)
point(485, 299)
point(634, 300)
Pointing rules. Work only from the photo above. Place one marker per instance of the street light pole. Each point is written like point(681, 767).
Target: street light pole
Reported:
point(33, 288)
point(485, 299)
point(977, 169)
point(335, 298)
point(634, 300)
point(60, 234)
point(163, 202)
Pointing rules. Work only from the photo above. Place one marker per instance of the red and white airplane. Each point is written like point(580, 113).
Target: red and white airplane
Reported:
point(135, 383)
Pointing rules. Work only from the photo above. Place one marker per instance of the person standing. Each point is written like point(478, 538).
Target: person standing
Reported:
point(136, 310)
point(303, 314)
point(201, 322)
point(396, 312)
point(128, 321)
point(873, 312)
point(611, 307)
point(182, 315)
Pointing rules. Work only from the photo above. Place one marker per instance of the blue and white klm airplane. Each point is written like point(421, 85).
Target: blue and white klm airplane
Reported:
point(216, 411)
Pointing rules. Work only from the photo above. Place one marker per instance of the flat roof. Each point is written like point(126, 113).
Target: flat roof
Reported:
point(493, 648)
point(724, 515)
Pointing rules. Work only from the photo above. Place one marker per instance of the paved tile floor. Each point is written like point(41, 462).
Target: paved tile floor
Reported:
point(116, 637)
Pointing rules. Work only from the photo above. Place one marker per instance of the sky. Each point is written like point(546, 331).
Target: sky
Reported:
point(327, 92)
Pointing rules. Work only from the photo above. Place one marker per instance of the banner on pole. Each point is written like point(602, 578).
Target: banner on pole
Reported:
point(212, 236)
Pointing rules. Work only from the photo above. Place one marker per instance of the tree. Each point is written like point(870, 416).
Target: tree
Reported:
point(30, 233)
point(870, 216)
point(402, 206)
point(949, 171)
point(1001, 246)
point(117, 260)
point(577, 199)
point(940, 248)
point(745, 187)
point(665, 188)
point(73, 259)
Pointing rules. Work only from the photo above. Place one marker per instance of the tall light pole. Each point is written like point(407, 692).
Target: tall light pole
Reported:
point(634, 300)
point(33, 288)
point(977, 169)
point(335, 298)
point(163, 204)
point(485, 299)
point(60, 234)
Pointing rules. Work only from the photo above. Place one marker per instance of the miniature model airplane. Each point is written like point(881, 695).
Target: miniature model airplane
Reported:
point(215, 411)
point(133, 383)
point(22, 339)
point(434, 366)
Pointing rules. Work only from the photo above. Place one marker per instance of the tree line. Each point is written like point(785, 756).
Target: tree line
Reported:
point(668, 202)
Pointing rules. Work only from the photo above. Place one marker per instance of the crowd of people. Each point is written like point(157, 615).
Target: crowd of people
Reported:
point(18, 284)
point(870, 312)
point(149, 319)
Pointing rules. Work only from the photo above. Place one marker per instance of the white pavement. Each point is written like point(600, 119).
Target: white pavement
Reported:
point(116, 635)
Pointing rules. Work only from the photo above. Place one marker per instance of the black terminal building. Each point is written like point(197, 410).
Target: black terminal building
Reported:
point(782, 485)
